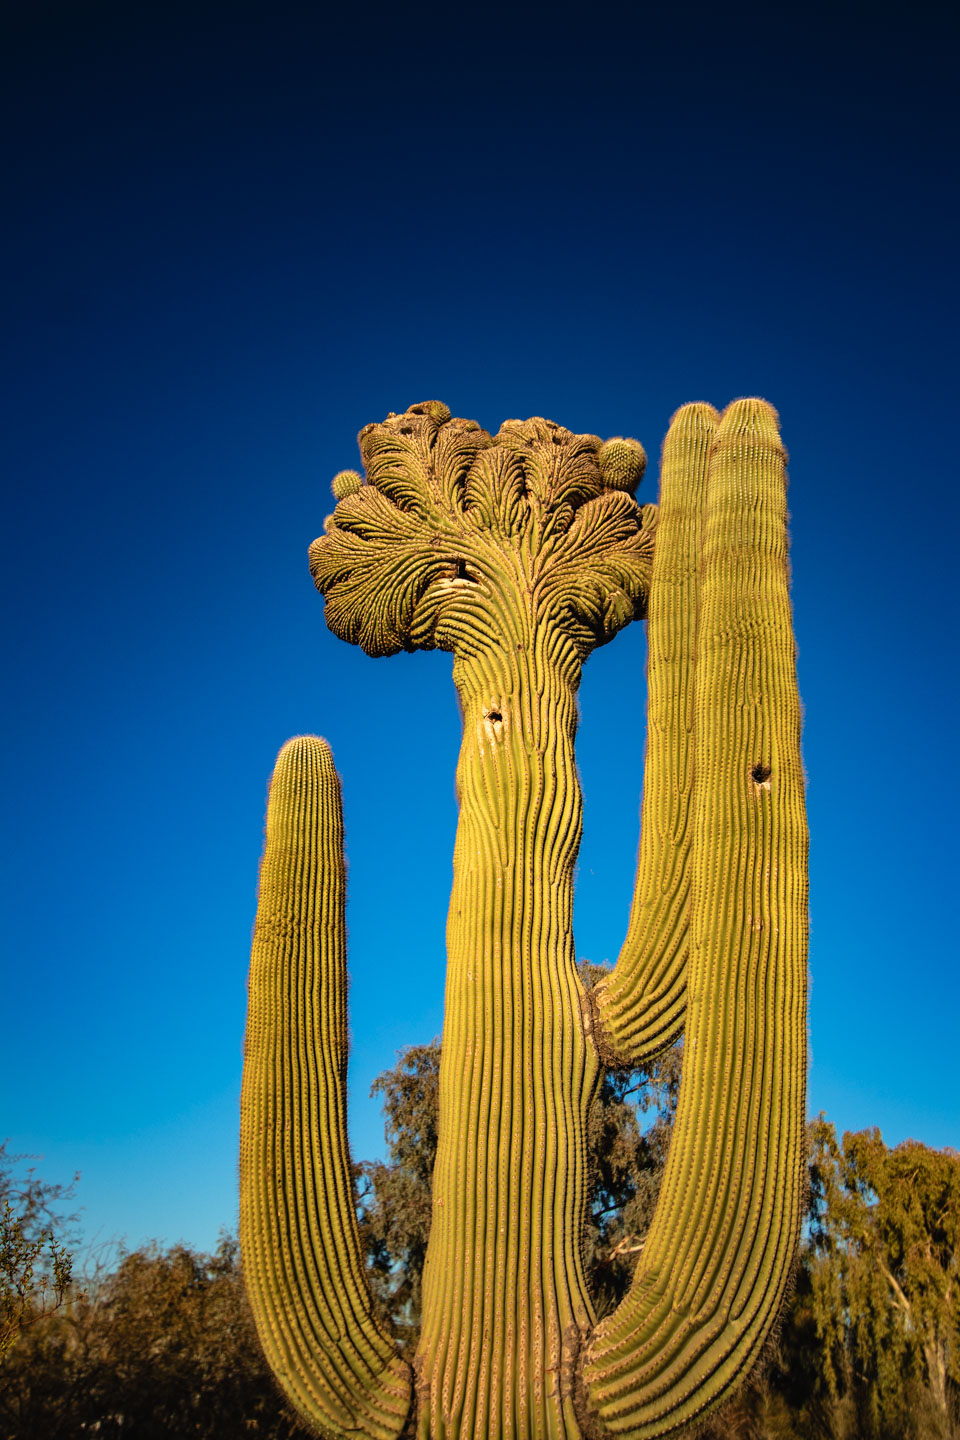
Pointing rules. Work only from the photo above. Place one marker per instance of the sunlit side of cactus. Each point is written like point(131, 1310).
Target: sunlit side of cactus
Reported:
point(520, 553)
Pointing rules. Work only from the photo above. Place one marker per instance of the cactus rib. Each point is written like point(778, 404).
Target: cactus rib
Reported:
point(298, 1226)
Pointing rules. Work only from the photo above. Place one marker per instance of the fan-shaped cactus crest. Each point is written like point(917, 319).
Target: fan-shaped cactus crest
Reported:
point(521, 552)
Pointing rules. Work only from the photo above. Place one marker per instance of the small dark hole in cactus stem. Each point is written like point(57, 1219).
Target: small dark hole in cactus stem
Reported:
point(494, 716)
point(462, 572)
point(760, 774)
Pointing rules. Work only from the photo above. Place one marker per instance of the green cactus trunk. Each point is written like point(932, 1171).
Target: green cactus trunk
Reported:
point(505, 1301)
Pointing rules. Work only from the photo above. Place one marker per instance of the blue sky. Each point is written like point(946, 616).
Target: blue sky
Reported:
point(236, 237)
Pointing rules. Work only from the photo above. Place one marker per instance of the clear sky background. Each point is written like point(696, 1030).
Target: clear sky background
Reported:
point(233, 236)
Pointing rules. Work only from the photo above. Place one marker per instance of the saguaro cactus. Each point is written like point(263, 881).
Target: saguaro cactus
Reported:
point(520, 553)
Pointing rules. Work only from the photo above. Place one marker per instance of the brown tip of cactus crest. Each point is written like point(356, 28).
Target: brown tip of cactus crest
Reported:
point(622, 463)
point(434, 408)
point(346, 482)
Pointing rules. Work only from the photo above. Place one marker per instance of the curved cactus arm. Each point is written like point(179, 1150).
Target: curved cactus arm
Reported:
point(640, 1007)
point(717, 1259)
point(298, 1228)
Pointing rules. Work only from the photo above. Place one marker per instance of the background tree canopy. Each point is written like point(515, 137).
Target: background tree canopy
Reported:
point(161, 1343)
point(885, 1277)
point(35, 1266)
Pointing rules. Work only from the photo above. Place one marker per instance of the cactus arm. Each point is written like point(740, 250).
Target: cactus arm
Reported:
point(640, 1008)
point(298, 1229)
point(717, 1259)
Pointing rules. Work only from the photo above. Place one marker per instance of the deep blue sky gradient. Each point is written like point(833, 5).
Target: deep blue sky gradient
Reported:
point(237, 234)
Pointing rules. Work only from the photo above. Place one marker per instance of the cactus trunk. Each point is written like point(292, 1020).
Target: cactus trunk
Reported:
point(505, 1300)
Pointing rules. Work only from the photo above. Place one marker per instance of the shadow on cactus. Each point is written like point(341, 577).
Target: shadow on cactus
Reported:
point(520, 553)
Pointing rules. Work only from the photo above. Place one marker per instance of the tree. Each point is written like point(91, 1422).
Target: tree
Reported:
point(35, 1265)
point(160, 1346)
point(885, 1268)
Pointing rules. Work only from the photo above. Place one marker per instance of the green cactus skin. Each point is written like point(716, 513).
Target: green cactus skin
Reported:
point(298, 1227)
point(518, 553)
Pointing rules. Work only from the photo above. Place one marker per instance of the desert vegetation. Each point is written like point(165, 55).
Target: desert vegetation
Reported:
point(159, 1342)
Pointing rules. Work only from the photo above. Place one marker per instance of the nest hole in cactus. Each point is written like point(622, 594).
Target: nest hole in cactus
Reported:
point(760, 774)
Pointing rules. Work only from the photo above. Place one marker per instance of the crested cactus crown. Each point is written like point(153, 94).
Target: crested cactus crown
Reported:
point(450, 516)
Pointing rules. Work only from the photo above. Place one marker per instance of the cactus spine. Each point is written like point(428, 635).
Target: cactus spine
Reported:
point(520, 553)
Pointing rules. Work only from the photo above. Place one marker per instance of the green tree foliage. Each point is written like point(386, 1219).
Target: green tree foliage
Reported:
point(885, 1269)
point(868, 1345)
point(35, 1264)
point(395, 1198)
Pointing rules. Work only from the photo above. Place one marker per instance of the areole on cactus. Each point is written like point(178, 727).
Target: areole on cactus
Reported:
point(520, 553)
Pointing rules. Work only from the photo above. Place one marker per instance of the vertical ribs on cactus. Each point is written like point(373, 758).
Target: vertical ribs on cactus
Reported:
point(520, 552)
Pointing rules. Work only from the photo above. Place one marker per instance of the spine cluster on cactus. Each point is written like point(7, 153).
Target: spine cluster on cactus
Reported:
point(521, 552)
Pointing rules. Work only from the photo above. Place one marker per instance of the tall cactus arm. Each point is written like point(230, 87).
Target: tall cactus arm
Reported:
point(714, 1269)
point(298, 1227)
point(640, 1008)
